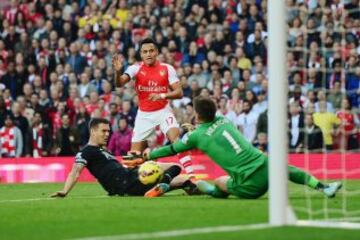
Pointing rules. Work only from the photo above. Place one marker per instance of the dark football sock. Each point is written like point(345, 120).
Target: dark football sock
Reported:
point(170, 173)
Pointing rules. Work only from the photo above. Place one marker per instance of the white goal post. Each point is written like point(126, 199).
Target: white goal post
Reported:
point(278, 94)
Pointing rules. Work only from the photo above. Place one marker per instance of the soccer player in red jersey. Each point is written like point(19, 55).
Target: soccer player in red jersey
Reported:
point(155, 84)
point(347, 133)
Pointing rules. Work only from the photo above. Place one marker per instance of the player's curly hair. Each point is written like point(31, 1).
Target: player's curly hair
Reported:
point(205, 108)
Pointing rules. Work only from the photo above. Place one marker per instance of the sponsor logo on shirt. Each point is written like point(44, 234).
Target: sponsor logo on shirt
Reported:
point(153, 83)
point(152, 87)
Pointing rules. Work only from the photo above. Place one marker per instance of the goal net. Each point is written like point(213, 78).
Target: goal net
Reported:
point(321, 68)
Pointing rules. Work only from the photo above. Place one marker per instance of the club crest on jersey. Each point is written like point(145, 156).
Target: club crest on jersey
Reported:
point(162, 73)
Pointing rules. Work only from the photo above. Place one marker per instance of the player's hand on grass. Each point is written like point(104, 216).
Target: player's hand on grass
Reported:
point(117, 62)
point(154, 97)
point(58, 194)
point(188, 127)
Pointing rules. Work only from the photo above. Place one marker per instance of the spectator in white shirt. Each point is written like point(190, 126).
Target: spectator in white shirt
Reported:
point(261, 105)
point(224, 111)
point(198, 76)
point(246, 121)
point(296, 125)
point(259, 27)
point(321, 96)
point(85, 88)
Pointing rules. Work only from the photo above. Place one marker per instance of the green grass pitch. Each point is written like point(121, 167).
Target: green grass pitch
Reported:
point(27, 213)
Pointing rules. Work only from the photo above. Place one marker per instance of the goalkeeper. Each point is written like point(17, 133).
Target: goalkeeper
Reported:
point(246, 166)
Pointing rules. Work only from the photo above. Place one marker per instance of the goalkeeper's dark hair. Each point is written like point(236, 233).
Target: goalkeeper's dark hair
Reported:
point(147, 41)
point(95, 122)
point(205, 108)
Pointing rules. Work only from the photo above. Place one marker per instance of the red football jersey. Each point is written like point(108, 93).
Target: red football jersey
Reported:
point(347, 121)
point(152, 79)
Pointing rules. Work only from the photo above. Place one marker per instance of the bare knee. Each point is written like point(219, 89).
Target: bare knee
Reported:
point(173, 134)
point(218, 181)
point(221, 183)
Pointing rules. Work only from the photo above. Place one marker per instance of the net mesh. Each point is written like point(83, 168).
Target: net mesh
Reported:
point(323, 58)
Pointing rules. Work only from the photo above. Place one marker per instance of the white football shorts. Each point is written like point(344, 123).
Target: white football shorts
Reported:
point(146, 122)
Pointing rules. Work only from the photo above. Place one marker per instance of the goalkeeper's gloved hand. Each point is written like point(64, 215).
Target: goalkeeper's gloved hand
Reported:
point(188, 127)
point(132, 159)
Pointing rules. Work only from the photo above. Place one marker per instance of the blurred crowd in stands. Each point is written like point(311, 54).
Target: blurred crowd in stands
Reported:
point(56, 72)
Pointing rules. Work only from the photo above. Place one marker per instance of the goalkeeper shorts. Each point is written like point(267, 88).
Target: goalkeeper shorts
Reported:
point(254, 186)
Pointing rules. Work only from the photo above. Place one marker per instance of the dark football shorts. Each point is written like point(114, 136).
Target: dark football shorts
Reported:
point(130, 184)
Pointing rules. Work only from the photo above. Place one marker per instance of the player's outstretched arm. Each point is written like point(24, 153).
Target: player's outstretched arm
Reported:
point(120, 78)
point(177, 147)
point(71, 180)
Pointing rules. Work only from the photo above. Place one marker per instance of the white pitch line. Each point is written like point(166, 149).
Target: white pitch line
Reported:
point(26, 200)
point(178, 233)
point(324, 224)
point(47, 199)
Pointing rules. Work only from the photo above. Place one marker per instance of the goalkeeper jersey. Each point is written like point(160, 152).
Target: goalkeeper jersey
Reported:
point(223, 143)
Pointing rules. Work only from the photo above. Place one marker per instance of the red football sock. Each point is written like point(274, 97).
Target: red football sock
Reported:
point(185, 161)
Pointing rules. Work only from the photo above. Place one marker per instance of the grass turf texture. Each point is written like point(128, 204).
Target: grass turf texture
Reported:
point(88, 212)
